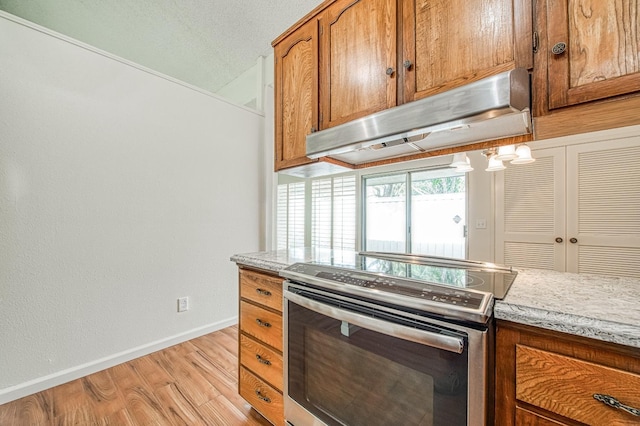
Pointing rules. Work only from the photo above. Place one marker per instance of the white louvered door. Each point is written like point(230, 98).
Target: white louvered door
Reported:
point(530, 211)
point(597, 202)
point(603, 207)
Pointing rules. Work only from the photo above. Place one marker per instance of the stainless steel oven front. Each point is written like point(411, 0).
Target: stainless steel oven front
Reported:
point(353, 361)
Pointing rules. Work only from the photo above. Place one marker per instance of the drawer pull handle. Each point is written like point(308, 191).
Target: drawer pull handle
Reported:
point(612, 402)
point(262, 360)
point(263, 292)
point(262, 323)
point(262, 397)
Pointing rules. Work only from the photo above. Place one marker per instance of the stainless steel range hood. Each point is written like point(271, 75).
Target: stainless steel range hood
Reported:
point(492, 108)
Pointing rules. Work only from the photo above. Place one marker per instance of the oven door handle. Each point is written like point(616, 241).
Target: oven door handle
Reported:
point(447, 343)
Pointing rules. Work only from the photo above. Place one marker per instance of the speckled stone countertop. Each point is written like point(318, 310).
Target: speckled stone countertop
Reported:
point(594, 306)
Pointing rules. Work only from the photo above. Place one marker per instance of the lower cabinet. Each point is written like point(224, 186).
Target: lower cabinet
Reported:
point(266, 399)
point(260, 379)
point(545, 378)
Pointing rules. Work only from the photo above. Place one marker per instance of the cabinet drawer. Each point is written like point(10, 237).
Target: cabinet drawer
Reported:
point(263, 361)
point(564, 385)
point(262, 324)
point(261, 288)
point(527, 418)
point(261, 396)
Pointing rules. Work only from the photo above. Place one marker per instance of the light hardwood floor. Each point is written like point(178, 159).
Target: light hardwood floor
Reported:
point(193, 383)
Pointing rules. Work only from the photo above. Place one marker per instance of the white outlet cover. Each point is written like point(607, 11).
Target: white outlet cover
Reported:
point(183, 304)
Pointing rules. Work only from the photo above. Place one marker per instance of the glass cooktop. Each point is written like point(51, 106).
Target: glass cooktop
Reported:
point(458, 284)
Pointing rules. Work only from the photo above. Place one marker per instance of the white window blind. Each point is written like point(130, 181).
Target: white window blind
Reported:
point(290, 215)
point(333, 216)
point(321, 200)
point(282, 203)
point(344, 213)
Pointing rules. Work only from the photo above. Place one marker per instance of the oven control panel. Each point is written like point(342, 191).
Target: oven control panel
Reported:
point(380, 284)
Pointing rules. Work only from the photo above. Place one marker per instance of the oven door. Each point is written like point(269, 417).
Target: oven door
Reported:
point(350, 362)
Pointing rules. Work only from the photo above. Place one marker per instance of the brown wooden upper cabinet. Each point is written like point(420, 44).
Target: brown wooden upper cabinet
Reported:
point(594, 50)
point(446, 44)
point(587, 67)
point(351, 58)
point(376, 54)
point(358, 60)
point(296, 94)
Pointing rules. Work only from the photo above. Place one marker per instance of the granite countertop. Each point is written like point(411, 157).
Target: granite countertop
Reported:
point(279, 259)
point(595, 306)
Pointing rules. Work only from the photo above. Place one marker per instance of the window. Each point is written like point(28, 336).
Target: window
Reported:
point(329, 204)
point(333, 217)
point(419, 212)
point(290, 215)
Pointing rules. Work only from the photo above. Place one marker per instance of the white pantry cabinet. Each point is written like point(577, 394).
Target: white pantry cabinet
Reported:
point(576, 209)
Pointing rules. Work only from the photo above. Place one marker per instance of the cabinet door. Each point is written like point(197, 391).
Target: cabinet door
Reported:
point(601, 57)
point(603, 205)
point(449, 43)
point(358, 57)
point(599, 181)
point(296, 96)
point(530, 212)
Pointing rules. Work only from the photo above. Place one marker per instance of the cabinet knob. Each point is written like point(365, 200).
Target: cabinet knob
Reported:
point(389, 71)
point(407, 64)
point(559, 240)
point(573, 240)
point(559, 48)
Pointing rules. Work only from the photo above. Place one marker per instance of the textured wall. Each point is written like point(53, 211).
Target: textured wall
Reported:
point(120, 191)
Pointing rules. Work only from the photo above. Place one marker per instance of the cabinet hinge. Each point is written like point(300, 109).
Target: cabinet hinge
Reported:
point(536, 42)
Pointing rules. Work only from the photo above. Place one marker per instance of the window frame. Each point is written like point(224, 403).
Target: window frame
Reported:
point(446, 172)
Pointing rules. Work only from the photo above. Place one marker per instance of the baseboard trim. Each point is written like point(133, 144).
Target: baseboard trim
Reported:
point(42, 383)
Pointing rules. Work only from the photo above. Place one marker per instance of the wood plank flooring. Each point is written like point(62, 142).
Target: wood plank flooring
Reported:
point(193, 383)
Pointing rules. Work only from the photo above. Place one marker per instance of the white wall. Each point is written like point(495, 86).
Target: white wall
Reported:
point(248, 88)
point(254, 89)
point(120, 191)
point(480, 241)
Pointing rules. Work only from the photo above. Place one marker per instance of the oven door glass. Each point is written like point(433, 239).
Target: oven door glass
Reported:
point(358, 374)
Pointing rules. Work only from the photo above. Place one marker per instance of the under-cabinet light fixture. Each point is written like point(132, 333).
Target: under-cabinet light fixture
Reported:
point(520, 154)
point(461, 162)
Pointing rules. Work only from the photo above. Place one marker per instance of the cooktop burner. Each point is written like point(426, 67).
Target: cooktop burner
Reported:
point(411, 280)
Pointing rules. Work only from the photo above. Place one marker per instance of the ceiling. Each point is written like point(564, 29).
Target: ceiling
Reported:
point(206, 43)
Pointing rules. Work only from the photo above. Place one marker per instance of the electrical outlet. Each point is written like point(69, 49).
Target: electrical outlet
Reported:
point(481, 223)
point(183, 304)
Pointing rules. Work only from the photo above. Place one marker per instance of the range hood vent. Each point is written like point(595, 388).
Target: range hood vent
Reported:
point(495, 107)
